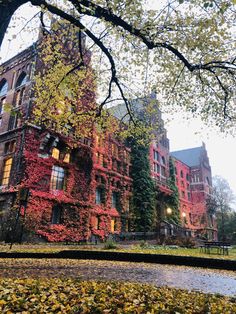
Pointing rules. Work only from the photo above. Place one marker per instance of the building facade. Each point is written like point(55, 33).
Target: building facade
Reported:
point(54, 188)
point(194, 182)
point(59, 188)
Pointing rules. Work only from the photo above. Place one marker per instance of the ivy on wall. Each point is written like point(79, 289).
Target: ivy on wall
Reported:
point(143, 201)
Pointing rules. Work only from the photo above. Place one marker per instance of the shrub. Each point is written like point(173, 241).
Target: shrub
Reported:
point(110, 245)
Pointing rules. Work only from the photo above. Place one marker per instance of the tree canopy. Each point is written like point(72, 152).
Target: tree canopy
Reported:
point(220, 202)
point(184, 50)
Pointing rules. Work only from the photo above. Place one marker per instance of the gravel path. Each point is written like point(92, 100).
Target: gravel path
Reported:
point(205, 280)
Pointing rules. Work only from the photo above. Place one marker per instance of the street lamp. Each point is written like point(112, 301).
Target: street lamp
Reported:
point(169, 211)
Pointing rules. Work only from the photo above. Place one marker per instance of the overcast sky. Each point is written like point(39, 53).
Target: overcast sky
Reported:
point(182, 132)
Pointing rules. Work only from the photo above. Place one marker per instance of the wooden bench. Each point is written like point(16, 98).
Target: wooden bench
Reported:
point(222, 247)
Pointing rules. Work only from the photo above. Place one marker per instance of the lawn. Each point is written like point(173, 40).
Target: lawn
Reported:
point(137, 248)
point(74, 296)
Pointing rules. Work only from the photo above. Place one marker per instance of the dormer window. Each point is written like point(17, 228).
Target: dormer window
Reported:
point(67, 158)
point(56, 153)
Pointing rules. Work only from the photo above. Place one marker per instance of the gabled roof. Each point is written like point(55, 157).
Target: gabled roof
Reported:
point(191, 157)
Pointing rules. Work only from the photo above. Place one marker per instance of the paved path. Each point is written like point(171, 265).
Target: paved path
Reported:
point(206, 280)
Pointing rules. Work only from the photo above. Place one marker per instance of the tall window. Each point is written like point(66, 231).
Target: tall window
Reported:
point(22, 79)
point(115, 200)
point(163, 161)
point(6, 171)
point(113, 225)
point(100, 196)
point(155, 155)
point(156, 168)
point(14, 120)
point(3, 87)
point(19, 97)
point(57, 178)
point(2, 103)
point(56, 215)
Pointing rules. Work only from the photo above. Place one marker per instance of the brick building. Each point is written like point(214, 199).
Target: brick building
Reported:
point(64, 190)
point(193, 179)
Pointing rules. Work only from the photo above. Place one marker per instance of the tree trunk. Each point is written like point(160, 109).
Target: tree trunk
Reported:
point(7, 9)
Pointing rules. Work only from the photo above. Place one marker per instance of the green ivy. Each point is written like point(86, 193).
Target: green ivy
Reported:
point(143, 202)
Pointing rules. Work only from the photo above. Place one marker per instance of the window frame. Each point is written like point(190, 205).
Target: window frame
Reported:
point(6, 169)
point(58, 182)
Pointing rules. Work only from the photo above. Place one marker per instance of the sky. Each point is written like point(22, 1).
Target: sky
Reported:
point(183, 131)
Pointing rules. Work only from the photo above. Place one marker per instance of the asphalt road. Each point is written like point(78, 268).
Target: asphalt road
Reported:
point(205, 280)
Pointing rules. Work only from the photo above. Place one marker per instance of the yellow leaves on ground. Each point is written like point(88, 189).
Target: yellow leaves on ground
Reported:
point(72, 296)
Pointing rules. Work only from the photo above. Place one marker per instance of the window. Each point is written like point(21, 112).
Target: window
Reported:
point(55, 153)
point(96, 222)
point(163, 171)
point(181, 174)
point(115, 200)
point(112, 225)
point(182, 183)
point(10, 147)
point(155, 155)
point(56, 215)
point(196, 177)
point(156, 168)
point(57, 178)
point(2, 103)
point(6, 171)
point(187, 177)
point(67, 158)
point(14, 121)
point(19, 95)
point(22, 79)
point(100, 196)
point(3, 87)
point(163, 161)
point(183, 194)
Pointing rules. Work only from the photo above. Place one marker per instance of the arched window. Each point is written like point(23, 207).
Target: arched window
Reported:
point(181, 174)
point(3, 87)
point(22, 79)
point(20, 89)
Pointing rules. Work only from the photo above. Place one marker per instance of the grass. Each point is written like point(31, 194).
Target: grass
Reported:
point(146, 249)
